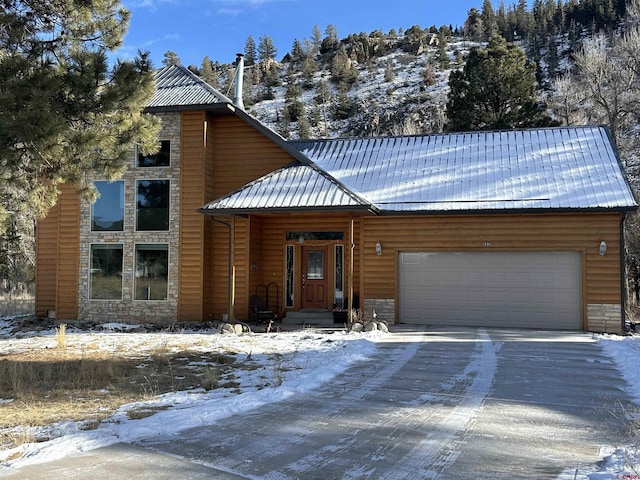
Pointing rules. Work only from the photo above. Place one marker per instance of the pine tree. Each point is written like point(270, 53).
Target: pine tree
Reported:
point(171, 58)
point(66, 114)
point(441, 53)
point(250, 52)
point(489, 24)
point(266, 49)
point(316, 39)
point(495, 90)
point(388, 72)
point(473, 28)
point(207, 72)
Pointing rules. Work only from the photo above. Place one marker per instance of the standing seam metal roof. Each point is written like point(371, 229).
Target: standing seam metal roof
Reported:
point(552, 168)
point(176, 86)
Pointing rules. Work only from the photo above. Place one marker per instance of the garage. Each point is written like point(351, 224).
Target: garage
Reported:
point(493, 289)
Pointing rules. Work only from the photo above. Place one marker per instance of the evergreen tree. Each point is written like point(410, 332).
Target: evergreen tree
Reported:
point(207, 72)
point(473, 28)
point(343, 106)
point(66, 114)
point(297, 53)
point(330, 42)
point(441, 53)
point(266, 49)
point(309, 68)
point(489, 24)
point(495, 90)
point(171, 58)
point(250, 52)
point(316, 39)
point(388, 72)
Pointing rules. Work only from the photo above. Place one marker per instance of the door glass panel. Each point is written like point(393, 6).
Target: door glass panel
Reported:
point(315, 265)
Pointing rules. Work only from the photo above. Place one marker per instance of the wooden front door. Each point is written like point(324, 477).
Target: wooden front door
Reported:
point(314, 277)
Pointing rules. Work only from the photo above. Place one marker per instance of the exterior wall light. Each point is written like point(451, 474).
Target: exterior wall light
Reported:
point(378, 249)
point(603, 248)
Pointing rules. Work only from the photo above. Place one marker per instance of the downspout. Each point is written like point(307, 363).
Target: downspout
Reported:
point(230, 271)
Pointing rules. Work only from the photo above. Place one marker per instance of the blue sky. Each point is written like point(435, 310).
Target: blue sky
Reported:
point(219, 28)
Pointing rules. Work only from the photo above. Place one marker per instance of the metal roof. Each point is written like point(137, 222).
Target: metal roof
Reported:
point(176, 86)
point(292, 188)
point(551, 168)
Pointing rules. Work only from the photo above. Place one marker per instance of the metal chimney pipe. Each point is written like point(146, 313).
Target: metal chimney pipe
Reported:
point(238, 79)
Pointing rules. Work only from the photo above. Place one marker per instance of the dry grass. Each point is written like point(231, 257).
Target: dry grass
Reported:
point(16, 303)
point(54, 385)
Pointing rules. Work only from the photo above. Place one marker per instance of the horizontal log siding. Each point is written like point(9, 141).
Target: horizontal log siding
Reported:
point(68, 254)
point(47, 261)
point(242, 154)
point(557, 232)
point(219, 268)
point(241, 262)
point(192, 224)
point(207, 240)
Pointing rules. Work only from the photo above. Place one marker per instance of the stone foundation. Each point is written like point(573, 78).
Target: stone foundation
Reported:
point(604, 317)
point(385, 309)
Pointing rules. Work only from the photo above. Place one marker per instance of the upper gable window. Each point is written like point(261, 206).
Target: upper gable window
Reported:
point(160, 159)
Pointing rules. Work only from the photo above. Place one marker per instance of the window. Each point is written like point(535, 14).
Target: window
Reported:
point(107, 213)
point(152, 267)
point(105, 277)
point(339, 287)
point(160, 159)
point(289, 276)
point(298, 236)
point(152, 212)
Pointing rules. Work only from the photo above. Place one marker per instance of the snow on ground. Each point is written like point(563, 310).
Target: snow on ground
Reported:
point(302, 360)
point(299, 361)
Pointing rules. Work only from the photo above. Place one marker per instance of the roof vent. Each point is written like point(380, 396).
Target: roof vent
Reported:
point(238, 79)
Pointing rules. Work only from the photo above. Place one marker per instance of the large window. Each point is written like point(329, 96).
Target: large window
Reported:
point(107, 213)
point(105, 278)
point(152, 267)
point(152, 210)
point(160, 159)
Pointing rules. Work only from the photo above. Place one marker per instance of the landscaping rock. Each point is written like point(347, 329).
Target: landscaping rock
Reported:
point(371, 327)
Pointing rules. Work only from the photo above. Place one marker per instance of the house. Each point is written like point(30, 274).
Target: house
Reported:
point(518, 228)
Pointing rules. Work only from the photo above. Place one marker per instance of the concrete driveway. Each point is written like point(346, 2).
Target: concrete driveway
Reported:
point(446, 403)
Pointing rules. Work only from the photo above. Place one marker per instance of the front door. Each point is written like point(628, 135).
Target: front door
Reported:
point(314, 277)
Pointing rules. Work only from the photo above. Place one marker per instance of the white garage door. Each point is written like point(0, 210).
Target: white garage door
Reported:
point(493, 289)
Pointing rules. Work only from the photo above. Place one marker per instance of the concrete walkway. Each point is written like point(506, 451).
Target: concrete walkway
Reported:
point(457, 403)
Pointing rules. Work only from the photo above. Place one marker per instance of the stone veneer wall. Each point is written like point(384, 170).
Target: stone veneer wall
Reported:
point(128, 309)
point(604, 317)
point(384, 307)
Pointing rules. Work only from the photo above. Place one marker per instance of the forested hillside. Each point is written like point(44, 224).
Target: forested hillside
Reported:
point(396, 82)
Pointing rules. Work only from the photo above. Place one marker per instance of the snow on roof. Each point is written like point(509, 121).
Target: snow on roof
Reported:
point(295, 187)
point(551, 168)
point(178, 87)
